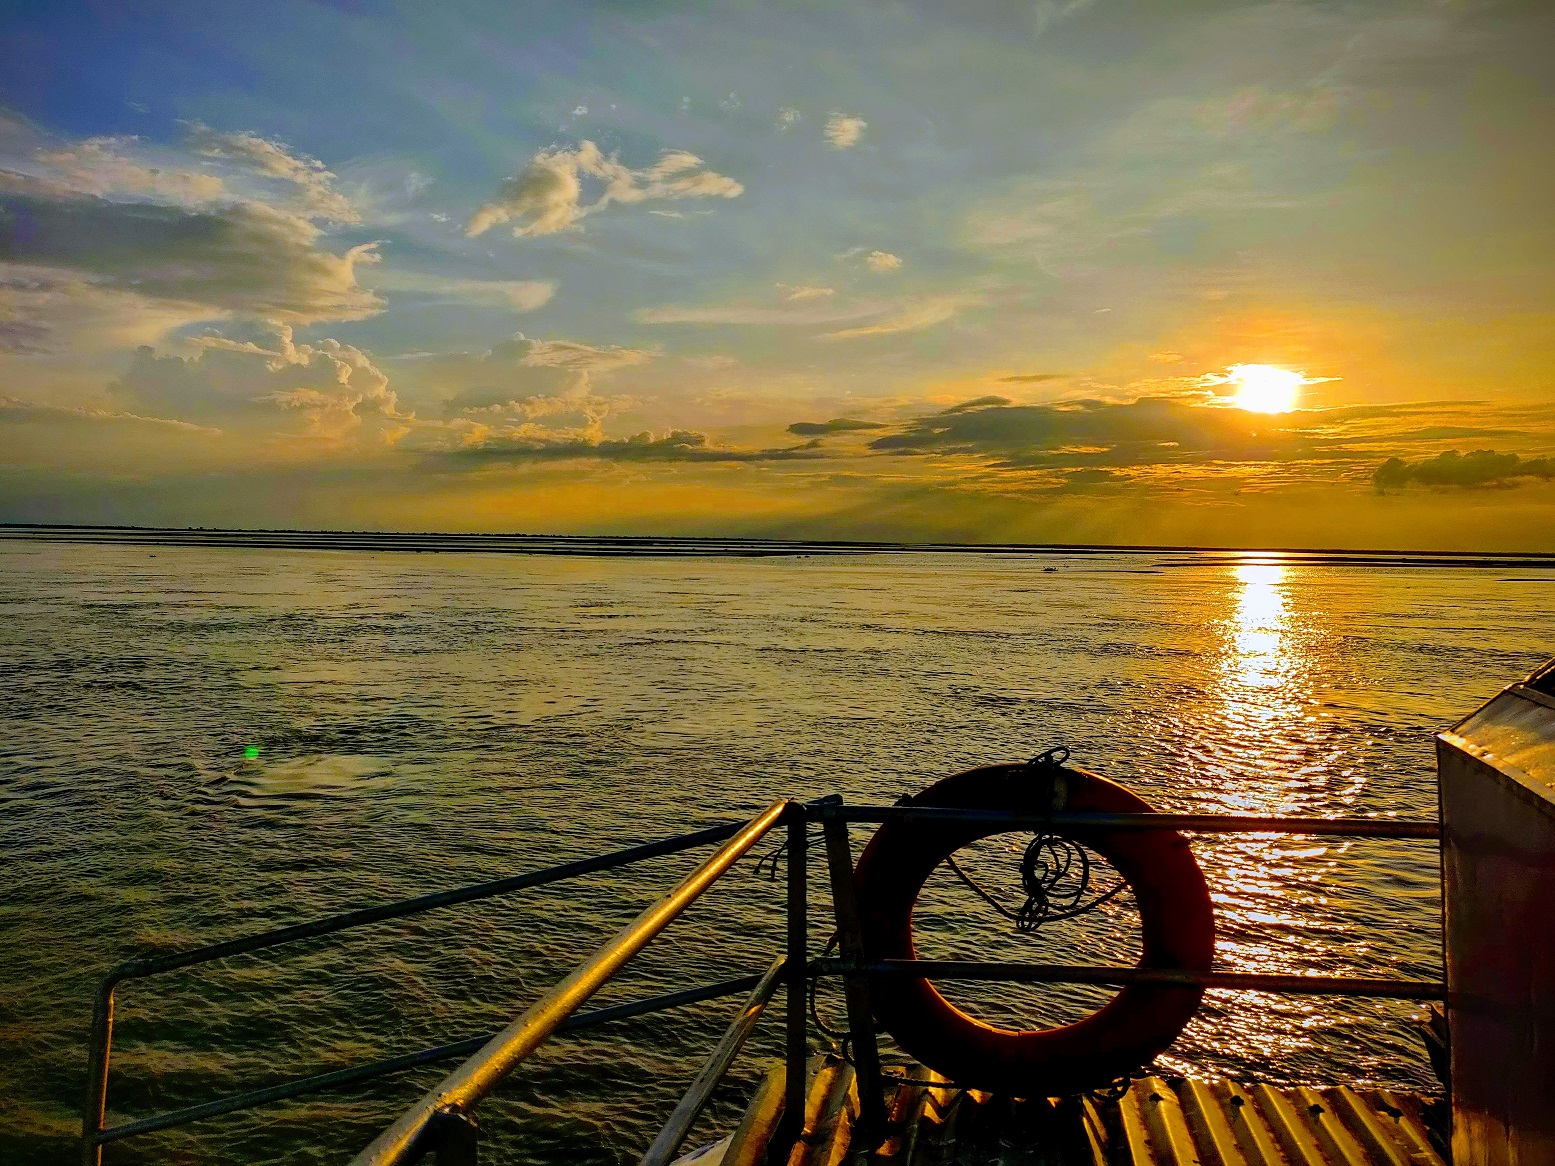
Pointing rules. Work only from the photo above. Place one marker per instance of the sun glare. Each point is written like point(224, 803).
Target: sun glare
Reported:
point(1263, 388)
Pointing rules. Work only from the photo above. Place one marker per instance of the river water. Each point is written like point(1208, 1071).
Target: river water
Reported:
point(203, 743)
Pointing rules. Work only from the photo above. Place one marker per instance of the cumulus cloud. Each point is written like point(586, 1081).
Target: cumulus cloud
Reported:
point(334, 390)
point(237, 259)
point(1482, 467)
point(843, 130)
point(525, 387)
point(549, 196)
point(835, 425)
point(882, 261)
point(807, 293)
point(314, 185)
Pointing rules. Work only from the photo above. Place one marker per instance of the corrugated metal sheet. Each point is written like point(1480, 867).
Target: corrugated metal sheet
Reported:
point(1158, 1122)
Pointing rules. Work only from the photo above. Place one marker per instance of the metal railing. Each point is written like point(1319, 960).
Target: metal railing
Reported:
point(443, 1121)
point(94, 1135)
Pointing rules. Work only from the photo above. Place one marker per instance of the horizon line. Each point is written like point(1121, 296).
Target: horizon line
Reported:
point(522, 542)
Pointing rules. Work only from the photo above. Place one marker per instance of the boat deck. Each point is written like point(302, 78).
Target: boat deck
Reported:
point(1160, 1121)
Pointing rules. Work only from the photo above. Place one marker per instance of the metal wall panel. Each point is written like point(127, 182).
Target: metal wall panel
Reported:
point(1497, 772)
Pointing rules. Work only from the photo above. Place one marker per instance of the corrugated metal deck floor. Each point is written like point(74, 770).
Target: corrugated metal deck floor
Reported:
point(1159, 1122)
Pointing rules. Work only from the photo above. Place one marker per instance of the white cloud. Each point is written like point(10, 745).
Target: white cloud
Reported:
point(102, 166)
point(521, 384)
point(813, 310)
point(1046, 13)
point(843, 130)
point(520, 295)
point(882, 261)
point(548, 197)
point(807, 293)
point(583, 358)
point(913, 316)
point(316, 195)
point(334, 390)
point(788, 117)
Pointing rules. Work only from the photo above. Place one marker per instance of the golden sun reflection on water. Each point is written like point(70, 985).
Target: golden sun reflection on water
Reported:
point(1259, 656)
point(1268, 890)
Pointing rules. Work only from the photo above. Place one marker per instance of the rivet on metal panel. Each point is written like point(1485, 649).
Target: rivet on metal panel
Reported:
point(1337, 1140)
point(1366, 1126)
point(1209, 1123)
point(1410, 1124)
point(1294, 1135)
point(1253, 1135)
point(1168, 1125)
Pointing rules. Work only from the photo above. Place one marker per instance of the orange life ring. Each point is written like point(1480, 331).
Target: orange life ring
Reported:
point(1176, 916)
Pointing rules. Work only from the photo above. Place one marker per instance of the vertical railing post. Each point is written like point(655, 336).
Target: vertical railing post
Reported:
point(99, 1043)
point(870, 1131)
point(797, 972)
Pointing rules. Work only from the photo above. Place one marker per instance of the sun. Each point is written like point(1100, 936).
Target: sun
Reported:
point(1263, 388)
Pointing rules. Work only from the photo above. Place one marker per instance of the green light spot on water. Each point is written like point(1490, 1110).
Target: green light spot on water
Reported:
point(250, 752)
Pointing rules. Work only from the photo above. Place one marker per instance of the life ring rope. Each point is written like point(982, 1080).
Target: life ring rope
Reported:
point(1176, 921)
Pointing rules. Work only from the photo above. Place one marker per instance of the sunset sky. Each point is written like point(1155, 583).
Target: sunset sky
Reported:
point(978, 271)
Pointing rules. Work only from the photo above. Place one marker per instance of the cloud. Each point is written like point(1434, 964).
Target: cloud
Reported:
point(14, 409)
point(525, 387)
point(583, 358)
point(975, 403)
point(836, 425)
point(1046, 13)
point(1483, 467)
point(677, 446)
point(335, 390)
point(101, 166)
point(882, 261)
point(548, 197)
point(519, 295)
point(912, 316)
point(805, 310)
point(843, 130)
point(243, 258)
point(1032, 378)
point(808, 293)
point(315, 193)
point(1147, 431)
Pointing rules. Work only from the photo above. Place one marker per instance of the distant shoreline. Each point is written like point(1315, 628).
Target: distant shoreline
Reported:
point(698, 547)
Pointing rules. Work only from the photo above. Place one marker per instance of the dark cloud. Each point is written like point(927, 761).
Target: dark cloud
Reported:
point(835, 425)
point(1483, 467)
point(1147, 431)
point(977, 403)
point(677, 446)
point(1032, 378)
